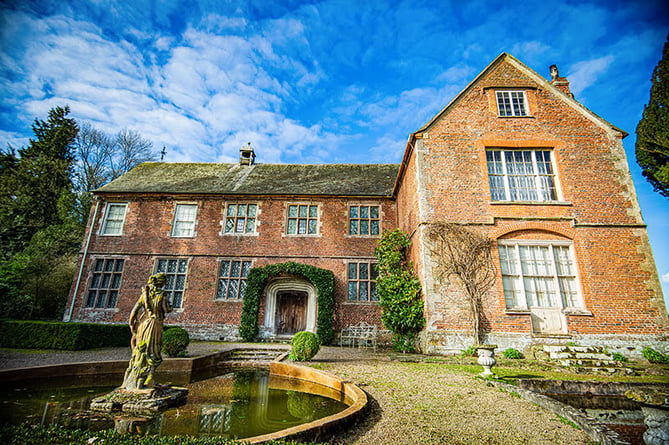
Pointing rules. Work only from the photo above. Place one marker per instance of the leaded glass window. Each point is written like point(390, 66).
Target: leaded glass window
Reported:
point(105, 283)
point(240, 218)
point(175, 271)
point(521, 175)
point(302, 219)
point(364, 220)
point(362, 281)
point(538, 275)
point(232, 275)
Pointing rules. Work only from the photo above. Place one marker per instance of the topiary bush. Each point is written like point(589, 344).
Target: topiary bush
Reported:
point(512, 353)
point(304, 346)
point(175, 342)
point(654, 356)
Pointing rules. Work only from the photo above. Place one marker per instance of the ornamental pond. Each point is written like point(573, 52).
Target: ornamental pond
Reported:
point(237, 403)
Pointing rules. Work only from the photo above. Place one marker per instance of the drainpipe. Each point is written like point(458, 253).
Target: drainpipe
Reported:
point(83, 260)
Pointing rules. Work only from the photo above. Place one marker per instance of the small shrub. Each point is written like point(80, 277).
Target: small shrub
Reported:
point(304, 346)
point(404, 343)
point(654, 356)
point(617, 356)
point(175, 342)
point(469, 352)
point(512, 353)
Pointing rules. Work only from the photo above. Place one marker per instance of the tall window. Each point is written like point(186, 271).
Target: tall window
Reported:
point(240, 218)
point(105, 283)
point(184, 220)
point(113, 222)
point(521, 175)
point(538, 275)
point(302, 219)
point(511, 103)
point(175, 283)
point(232, 279)
point(362, 282)
point(363, 220)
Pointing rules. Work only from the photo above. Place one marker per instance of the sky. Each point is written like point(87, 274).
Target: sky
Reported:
point(332, 81)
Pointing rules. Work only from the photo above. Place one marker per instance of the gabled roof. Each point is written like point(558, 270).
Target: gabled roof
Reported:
point(530, 73)
point(260, 179)
point(544, 83)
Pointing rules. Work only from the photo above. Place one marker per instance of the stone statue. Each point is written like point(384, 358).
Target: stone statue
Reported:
point(146, 326)
point(138, 393)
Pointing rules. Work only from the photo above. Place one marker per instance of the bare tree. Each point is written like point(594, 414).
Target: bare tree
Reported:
point(462, 253)
point(130, 150)
point(101, 158)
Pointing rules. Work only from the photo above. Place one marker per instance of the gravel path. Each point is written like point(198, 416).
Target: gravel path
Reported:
point(411, 403)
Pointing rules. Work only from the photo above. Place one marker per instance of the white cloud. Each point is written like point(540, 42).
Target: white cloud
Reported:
point(665, 278)
point(585, 73)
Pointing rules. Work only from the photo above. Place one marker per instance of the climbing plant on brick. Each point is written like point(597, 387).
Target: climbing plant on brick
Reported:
point(256, 281)
point(399, 290)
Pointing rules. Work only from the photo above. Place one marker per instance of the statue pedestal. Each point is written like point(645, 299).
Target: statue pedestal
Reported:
point(141, 400)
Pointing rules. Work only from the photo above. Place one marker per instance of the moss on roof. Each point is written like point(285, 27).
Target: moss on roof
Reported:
point(259, 179)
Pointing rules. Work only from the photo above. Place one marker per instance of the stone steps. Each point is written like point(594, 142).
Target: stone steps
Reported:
point(586, 359)
point(255, 355)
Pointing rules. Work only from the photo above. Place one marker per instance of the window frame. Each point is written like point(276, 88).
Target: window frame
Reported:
point(175, 221)
point(106, 218)
point(240, 280)
point(236, 218)
point(568, 300)
point(107, 290)
point(371, 288)
point(359, 219)
point(308, 219)
point(509, 96)
point(171, 291)
point(542, 186)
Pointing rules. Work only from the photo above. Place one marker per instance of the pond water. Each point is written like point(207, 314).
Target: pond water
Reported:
point(235, 404)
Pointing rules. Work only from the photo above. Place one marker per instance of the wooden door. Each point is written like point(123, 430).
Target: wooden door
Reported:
point(547, 320)
point(291, 312)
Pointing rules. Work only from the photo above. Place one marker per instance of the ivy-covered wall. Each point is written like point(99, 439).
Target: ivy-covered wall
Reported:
point(256, 281)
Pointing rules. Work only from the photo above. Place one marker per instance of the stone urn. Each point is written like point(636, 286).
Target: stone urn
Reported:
point(486, 358)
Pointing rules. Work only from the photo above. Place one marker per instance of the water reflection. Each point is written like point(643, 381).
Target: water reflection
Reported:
point(238, 404)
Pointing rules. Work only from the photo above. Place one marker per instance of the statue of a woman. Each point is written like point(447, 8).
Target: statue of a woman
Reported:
point(146, 326)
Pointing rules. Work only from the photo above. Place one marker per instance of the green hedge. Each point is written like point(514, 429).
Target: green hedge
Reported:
point(256, 281)
point(27, 334)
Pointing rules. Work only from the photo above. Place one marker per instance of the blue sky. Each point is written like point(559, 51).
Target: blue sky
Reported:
point(314, 82)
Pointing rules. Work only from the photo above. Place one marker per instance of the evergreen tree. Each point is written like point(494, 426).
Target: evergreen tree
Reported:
point(32, 184)
point(652, 144)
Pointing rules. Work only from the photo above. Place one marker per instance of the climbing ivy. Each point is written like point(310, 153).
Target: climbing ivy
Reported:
point(399, 290)
point(256, 281)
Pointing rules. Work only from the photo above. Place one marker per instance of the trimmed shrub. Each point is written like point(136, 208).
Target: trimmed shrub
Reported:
point(654, 356)
point(28, 334)
point(304, 346)
point(175, 342)
point(512, 353)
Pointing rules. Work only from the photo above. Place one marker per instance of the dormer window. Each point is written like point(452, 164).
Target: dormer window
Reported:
point(511, 103)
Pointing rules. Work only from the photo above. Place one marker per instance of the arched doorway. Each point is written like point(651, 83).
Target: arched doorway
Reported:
point(290, 306)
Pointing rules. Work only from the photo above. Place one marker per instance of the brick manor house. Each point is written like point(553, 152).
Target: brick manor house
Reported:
point(513, 155)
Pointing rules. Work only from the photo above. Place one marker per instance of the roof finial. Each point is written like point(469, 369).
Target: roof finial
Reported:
point(162, 154)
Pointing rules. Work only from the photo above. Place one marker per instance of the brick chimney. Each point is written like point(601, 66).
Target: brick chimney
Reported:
point(246, 155)
point(560, 82)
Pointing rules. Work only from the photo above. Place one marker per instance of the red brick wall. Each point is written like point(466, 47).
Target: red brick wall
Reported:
point(598, 210)
point(146, 236)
